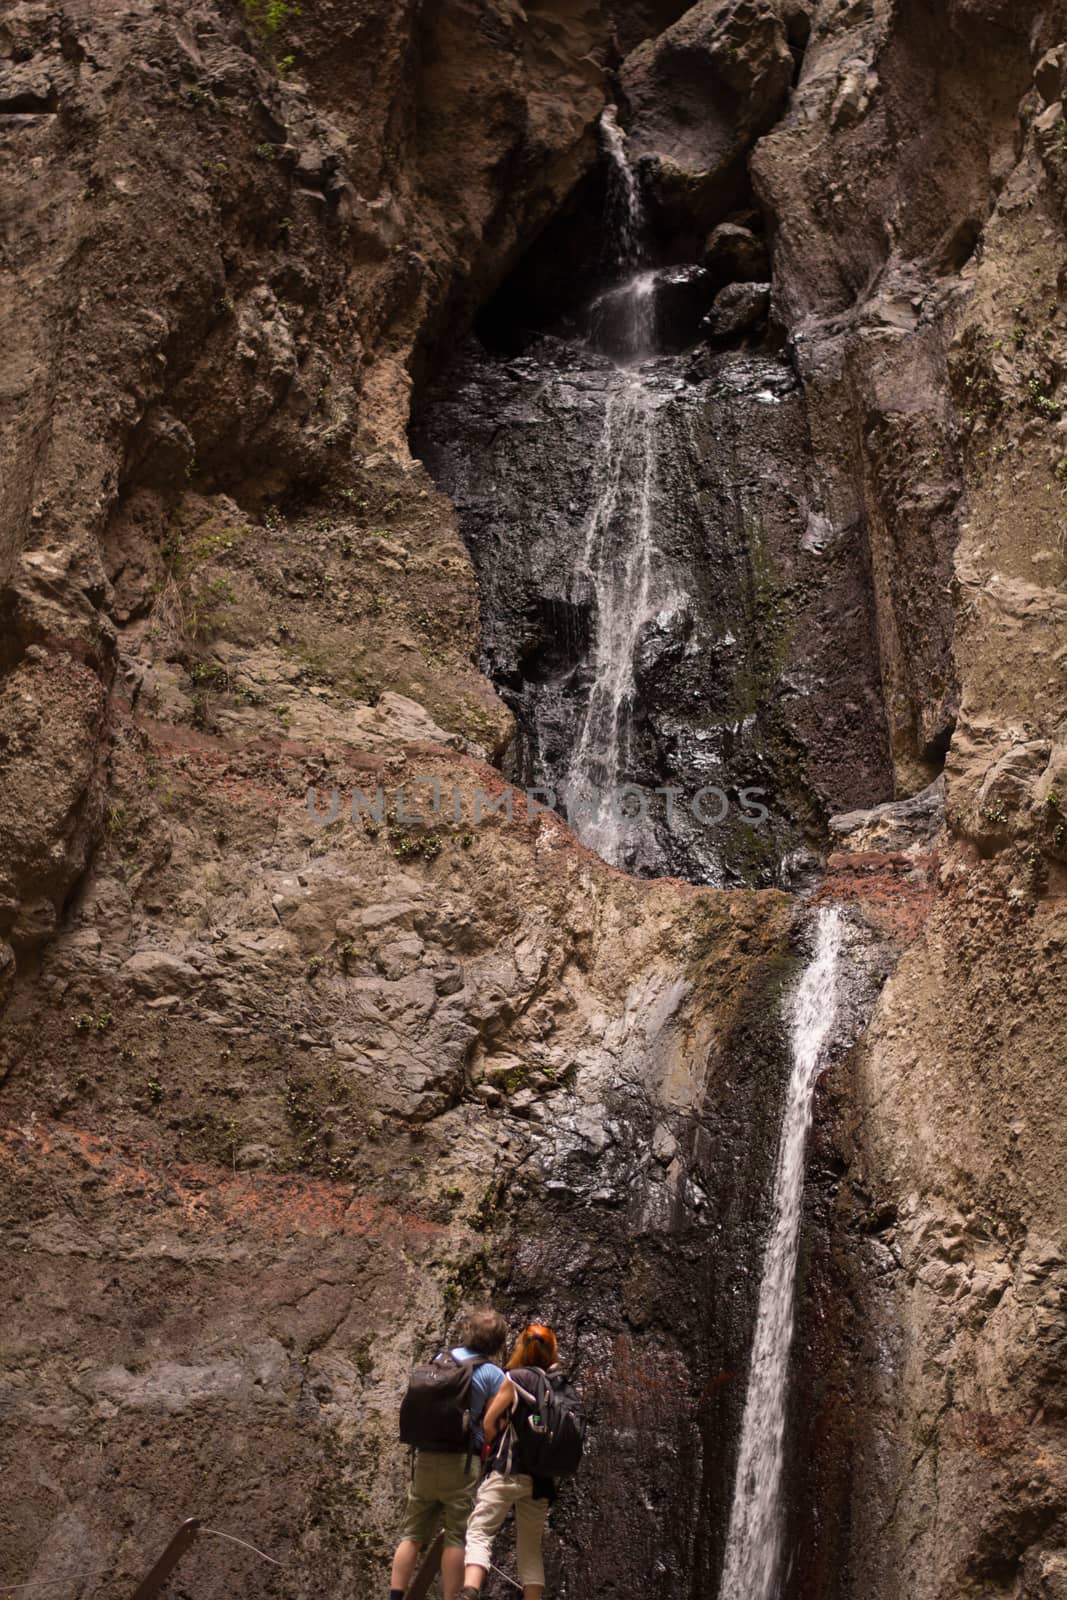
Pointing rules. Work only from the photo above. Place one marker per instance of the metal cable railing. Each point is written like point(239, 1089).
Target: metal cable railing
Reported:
point(154, 1582)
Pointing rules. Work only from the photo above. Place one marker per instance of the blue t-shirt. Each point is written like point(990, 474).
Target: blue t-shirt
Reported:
point(485, 1382)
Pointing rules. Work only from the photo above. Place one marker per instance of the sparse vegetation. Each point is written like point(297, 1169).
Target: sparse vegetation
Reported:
point(90, 1022)
point(1041, 401)
point(188, 604)
point(267, 18)
point(405, 845)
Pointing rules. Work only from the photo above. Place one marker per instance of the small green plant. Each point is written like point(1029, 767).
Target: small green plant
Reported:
point(268, 17)
point(87, 1021)
point(1052, 800)
point(314, 967)
point(1039, 401)
point(346, 954)
point(364, 1360)
point(185, 606)
point(154, 1090)
point(210, 675)
point(406, 845)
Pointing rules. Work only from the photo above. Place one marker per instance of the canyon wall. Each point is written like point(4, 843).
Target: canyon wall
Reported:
point(279, 1092)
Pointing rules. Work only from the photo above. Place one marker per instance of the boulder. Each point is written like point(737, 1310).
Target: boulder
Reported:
point(154, 972)
point(738, 309)
point(734, 254)
point(699, 96)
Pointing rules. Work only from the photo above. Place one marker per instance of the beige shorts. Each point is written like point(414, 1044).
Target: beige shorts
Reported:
point(442, 1489)
point(496, 1497)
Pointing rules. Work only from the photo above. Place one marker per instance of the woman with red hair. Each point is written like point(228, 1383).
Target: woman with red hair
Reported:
point(507, 1484)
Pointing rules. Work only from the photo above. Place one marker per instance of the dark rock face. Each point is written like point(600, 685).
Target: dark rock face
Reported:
point(740, 308)
point(656, 1304)
point(733, 253)
point(737, 680)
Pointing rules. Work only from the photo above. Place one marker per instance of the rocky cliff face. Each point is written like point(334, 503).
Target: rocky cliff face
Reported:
point(279, 1091)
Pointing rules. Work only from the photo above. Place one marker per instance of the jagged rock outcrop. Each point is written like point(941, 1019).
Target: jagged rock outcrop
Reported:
point(234, 230)
point(698, 96)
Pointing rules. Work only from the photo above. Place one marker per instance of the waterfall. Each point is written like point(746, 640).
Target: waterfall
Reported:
point(617, 559)
point(617, 565)
point(624, 194)
point(750, 1567)
point(622, 318)
point(612, 479)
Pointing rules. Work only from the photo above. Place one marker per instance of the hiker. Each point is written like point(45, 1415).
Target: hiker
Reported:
point(534, 1434)
point(441, 1418)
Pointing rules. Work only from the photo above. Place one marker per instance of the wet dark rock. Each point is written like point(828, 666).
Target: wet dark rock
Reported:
point(740, 308)
point(734, 254)
point(678, 298)
point(738, 676)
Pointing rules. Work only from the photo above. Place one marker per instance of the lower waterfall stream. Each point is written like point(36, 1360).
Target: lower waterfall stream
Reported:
point(753, 1541)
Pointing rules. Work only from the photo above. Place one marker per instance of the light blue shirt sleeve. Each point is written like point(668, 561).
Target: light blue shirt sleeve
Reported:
point(484, 1385)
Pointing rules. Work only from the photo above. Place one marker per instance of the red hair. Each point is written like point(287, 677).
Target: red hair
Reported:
point(536, 1347)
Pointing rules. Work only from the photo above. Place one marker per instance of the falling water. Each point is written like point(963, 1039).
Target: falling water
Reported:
point(617, 560)
point(629, 219)
point(622, 318)
point(611, 537)
point(752, 1545)
point(617, 565)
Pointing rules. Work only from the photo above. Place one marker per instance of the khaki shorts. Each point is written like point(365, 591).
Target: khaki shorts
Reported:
point(443, 1487)
point(496, 1497)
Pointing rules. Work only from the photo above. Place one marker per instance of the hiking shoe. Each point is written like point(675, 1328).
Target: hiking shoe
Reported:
point(470, 1593)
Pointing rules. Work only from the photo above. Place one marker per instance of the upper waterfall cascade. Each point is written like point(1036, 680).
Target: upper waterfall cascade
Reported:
point(619, 486)
point(617, 565)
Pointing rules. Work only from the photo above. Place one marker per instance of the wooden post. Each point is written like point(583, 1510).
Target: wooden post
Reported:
point(168, 1560)
point(431, 1565)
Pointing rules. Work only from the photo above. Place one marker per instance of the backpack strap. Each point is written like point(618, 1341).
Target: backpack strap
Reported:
point(532, 1400)
point(473, 1362)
